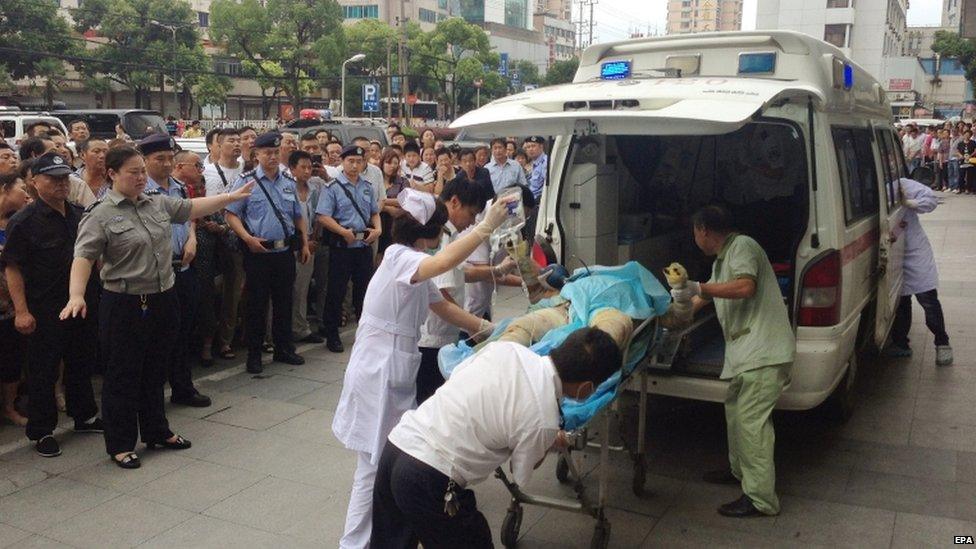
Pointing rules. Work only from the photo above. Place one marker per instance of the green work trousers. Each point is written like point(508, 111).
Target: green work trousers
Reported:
point(749, 403)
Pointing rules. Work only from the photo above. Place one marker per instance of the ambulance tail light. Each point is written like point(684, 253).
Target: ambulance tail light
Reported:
point(820, 292)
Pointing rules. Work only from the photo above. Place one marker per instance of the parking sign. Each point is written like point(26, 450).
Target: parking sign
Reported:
point(371, 98)
point(503, 65)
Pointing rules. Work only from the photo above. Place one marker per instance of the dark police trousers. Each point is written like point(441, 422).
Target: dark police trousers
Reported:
point(138, 346)
point(934, 319)
point(346, 264)
point(408, 506)
point(188, 293)
point(270, 274)
point(54, 340)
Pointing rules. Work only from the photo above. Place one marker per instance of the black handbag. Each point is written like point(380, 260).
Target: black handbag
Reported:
point(294, 240)
point(336, 240)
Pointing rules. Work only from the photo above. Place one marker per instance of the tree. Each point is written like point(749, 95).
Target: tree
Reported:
point(493, 85)
point(211, 90)
point(99, 86)
point(140, 51)
point(304, 37)
point(7, 84)
point(561, 72)
point(950, 44)
point(53, 73)
point(527, 70)
point(28, 30)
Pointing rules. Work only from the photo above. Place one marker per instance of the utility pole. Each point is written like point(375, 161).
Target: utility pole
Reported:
point(591, 4)
point(389, 80)
point(579, 33)
point(403, 62)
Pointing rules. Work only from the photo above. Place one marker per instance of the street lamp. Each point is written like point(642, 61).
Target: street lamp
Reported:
point(172, 29)
point(342, 98)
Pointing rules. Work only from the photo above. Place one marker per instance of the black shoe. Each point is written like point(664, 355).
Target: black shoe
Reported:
point(93, 425)
point(311, 338)
point(179, 444)
point(48, 447)
point(195, 400)
point(334, 344)
point(721, 476)
point(289, 357)
point(254, 364)
point(740, 508)
point(128, 461)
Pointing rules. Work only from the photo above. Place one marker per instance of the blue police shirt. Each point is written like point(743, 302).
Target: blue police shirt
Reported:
point(181, 231)
point(334, 203)
point(258, 214)
point(537, 179)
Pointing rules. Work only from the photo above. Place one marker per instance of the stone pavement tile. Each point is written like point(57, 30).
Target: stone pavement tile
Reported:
point(564, 529)
point(121, 522)
point(273, 505)
point(699, 503)
point(77, 450)
point(946, 389)
point(41, 542)
point(678, 531)
point(203, 531)
point(323, 370)
point(221, 400)
point(314, 425)
point(324, 398)
point(278, 387)
point(911, 461)
point(959, 372)
point(17, 476)
point(198, 485)
point(945, 435)
point(106, 474)
point(257, 413)
point(10, 535)
point(900, 493)
point(877, 427)
point(328, 466)
point(806, 521)
point(966, 466)
point(914, 531)
point(961, 412)
point(493, 502)
point(223, 384)
point(817, 482)
point(209, 437)
point(903, 384)
point(885, 405)
point(660, 492)
point(321, 526)
point(53, 501)
point(965, 501)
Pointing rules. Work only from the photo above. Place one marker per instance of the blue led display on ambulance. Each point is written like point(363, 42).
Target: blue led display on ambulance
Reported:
point(757, 63)
point(615, 70)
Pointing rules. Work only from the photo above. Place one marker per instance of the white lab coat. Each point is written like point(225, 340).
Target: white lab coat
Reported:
point(381, 379)
point(920, 272)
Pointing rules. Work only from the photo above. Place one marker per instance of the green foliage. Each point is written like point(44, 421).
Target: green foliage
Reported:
point(34, 26)
point(527, 70)
point(212, 90)
point(53, 72)
point(561, 72)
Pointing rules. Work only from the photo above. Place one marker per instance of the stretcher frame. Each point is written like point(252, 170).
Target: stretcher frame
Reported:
point(662, 347)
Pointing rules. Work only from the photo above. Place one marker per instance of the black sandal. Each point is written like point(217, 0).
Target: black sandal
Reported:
point(128, 461)
point(179, 444)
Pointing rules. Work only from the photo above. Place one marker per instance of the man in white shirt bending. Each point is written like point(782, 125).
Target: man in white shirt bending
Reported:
point(501, 404)
point(220, 175)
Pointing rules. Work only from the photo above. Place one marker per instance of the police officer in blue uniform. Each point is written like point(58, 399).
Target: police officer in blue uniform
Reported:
point(271, 227)
point(159, 150)
point(349, 211)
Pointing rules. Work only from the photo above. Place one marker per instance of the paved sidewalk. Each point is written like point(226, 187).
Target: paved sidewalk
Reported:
point(265, 470)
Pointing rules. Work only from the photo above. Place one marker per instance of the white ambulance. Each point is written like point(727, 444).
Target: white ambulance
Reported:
point(784, 130)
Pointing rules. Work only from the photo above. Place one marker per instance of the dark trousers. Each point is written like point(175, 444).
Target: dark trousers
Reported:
point(138, 346)
point(188, 295)
point(269, 276)
point(968, 179)
point(54, 340)
point(346, 264)
point(13, 352)
point(408, 506)
point(429, 377)
point(934, 319)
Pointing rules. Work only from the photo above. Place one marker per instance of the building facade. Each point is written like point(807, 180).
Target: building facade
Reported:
point(687, 16)
point(425, 12)
point(559, 34)
point(868, 31)
point(950, 14)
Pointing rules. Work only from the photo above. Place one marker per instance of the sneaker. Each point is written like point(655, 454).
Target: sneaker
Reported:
point(93, 425)
point(897, 351)
point(47, 447)
point(943, 355)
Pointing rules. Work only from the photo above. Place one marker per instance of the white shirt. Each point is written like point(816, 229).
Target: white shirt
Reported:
point(500, 404)
point(919, 269)
point(477, 295)
point(375, 177)
point(437, 332)
point(214, 184)
point(421, 175)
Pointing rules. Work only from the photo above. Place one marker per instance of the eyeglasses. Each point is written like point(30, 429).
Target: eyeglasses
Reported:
point(197, 165)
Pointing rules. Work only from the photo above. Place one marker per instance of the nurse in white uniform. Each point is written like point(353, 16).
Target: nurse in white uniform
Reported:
point(380, 380)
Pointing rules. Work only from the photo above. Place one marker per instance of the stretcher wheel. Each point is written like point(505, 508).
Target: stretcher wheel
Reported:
point(601, 535)
point(640, 476)
point(511, 526)
point(562, 469)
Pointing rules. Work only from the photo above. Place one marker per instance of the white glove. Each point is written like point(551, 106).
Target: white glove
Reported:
point(685, 294)
point(498, 212)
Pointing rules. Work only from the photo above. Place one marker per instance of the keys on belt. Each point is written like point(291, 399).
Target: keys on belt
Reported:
point(275, 244)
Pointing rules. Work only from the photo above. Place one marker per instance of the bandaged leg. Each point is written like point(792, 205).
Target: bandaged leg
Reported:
point(679, 315)
point(528, 270)
point(530, 328)
point(615, 323)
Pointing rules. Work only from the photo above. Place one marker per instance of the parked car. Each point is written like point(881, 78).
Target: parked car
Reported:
point(345, 129)
point(102, 122)
point(13, 122)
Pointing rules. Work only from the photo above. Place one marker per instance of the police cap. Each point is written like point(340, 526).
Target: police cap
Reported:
point(267, 140)
point(538, 139)
point(352, 150)
point(51, 164)
point(156, 142)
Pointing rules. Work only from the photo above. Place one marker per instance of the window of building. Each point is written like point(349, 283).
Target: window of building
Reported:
point(203, 19)
point(442, 4)
point(516, 13)
point(855, 164)
point(361, 12)
point(837, 35)
point(840, 3)
point(427, 16)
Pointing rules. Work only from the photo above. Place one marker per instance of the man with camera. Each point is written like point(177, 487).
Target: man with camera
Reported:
point(271, 227)
point(348, 209)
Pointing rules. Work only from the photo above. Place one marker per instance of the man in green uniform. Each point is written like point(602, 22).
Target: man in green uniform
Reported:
point(759, 350)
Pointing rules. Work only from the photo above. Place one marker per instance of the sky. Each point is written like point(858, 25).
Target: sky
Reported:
point(616, 19)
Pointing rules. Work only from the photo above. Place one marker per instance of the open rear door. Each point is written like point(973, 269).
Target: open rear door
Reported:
point(652, 106)
point(891, 241)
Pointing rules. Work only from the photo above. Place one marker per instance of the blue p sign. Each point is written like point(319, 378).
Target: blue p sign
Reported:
point(371, 98)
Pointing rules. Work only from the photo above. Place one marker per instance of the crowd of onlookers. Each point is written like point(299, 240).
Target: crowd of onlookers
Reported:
point(948, 149)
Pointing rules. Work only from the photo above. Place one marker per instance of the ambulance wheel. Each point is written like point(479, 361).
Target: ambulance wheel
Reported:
point(511, 526)
point(839, 406)
point(562, 469)
point(601, 535)
point(640, 476)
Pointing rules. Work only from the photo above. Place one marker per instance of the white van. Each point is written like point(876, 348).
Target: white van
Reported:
point(788, 133)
